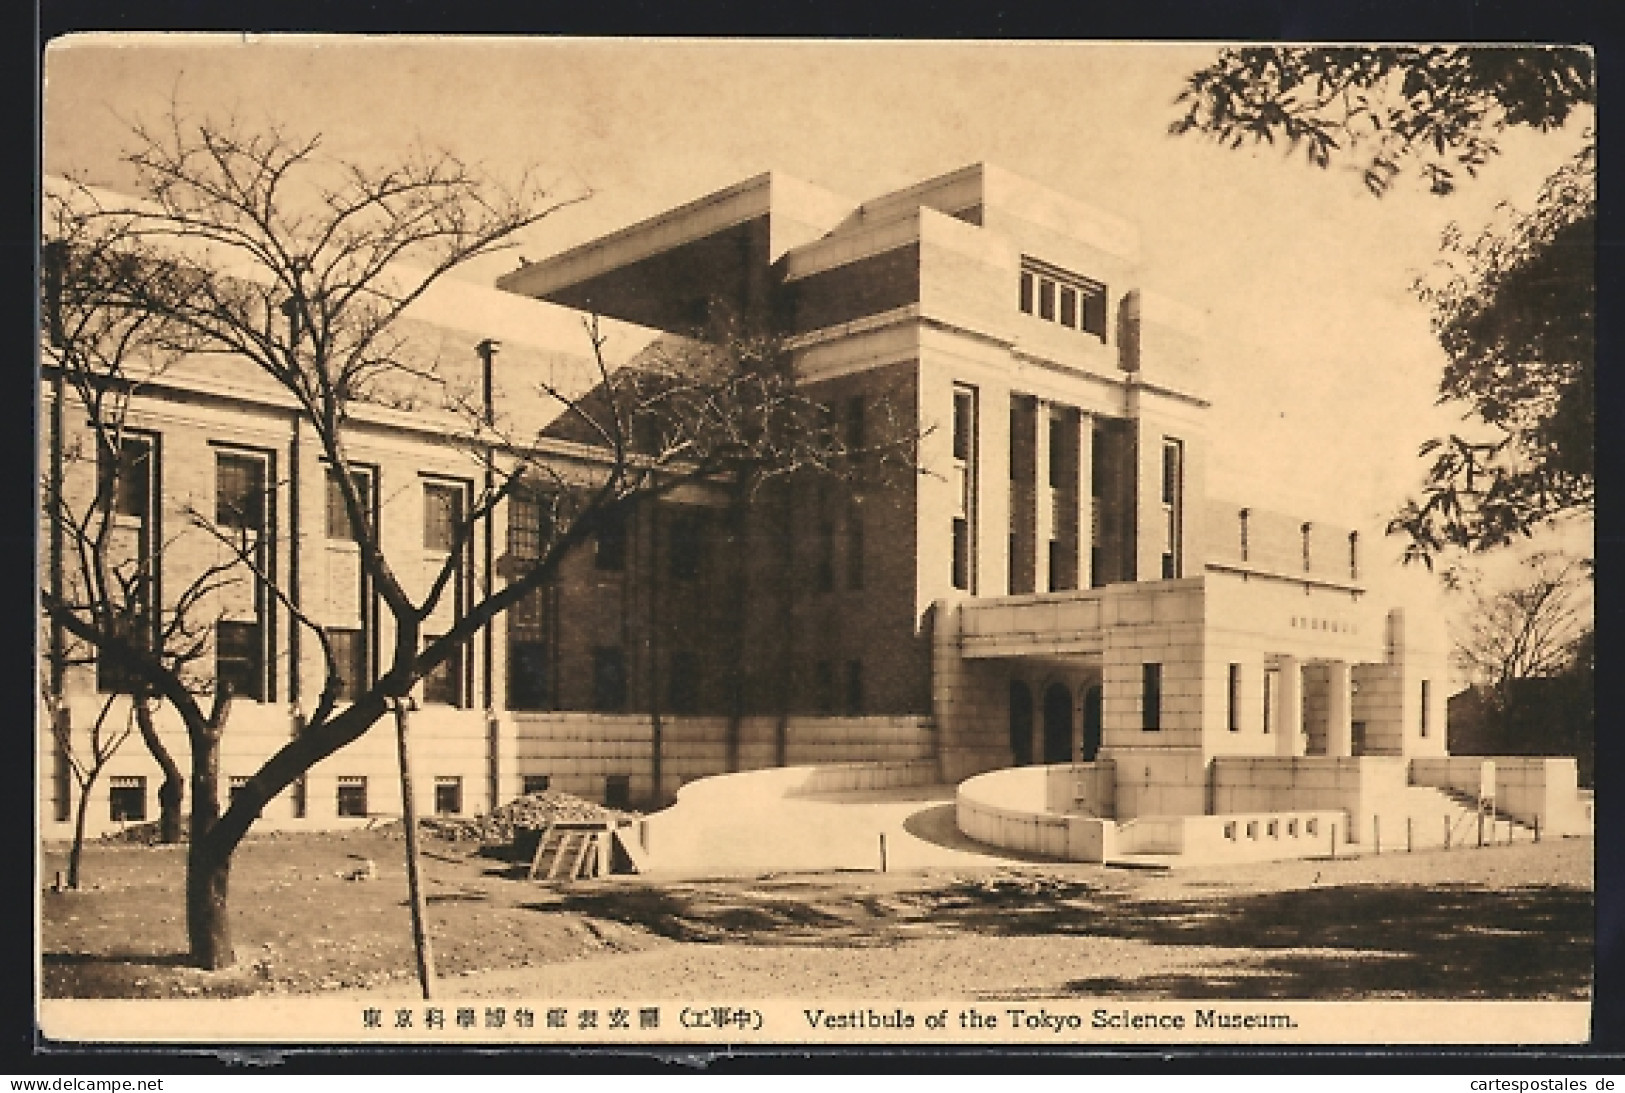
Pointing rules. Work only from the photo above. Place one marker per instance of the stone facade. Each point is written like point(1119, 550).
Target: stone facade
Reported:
point(1056, 586)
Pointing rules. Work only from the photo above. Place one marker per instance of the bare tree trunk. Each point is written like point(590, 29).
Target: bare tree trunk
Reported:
point(76, 853)
point(172, 793)
point(414, 882)
point(208, 858)
point(208, 924)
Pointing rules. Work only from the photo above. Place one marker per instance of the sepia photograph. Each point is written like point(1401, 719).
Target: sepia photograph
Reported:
point(748, 541)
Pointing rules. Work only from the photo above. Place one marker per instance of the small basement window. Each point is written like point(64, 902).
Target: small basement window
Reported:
point(535, 783)
point(127, 799)
point(448, 795)
point(352, 795)
point(618, 791)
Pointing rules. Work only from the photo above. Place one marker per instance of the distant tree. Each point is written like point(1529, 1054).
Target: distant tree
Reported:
point(1528, 648)
point(1434, 109)
point(1513, 306)
point(1534, 629)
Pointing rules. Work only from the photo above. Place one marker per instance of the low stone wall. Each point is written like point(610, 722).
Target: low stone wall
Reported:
point(489, 761)
point(1356, 785)
point(1464, 774)
point(1263, 836)
point(1004, 808)
point(852, 777)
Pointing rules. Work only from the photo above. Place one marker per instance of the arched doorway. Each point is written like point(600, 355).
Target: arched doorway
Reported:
point(1057, 724)
point(1091, 723)
point(1021, 723)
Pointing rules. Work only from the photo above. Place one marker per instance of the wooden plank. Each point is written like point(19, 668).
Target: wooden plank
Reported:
point(565, 842)
point(541, 848)
point(581, 856)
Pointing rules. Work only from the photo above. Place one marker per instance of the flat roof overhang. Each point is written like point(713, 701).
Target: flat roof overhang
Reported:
point(664, 272)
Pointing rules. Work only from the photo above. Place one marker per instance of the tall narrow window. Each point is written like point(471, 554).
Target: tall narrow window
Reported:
point(610, 551)
point(824, 562)
point(239, 498)
point(1305, 531)
point(128, 485)
point(854, 547)
point(965, 472)
point(530, 523)
point(1233, 699)
point(686, 547)
point(442, 515)
point(444, 683)
point(823, 688)
point(1354, 555)
point(239, 658)
point(128, 480)
point(608, 680)
point(1244, 544)
point(1173, 489)
point(1269, 700)
point(338, 516)
point(529, 668)
point(684, 686)
point(1028, 283)
point(1427, 703)
point(852, 426)
point(350, 661)
point(1151, 697)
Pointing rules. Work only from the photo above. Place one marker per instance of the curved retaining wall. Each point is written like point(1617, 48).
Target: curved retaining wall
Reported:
point(1005, 808)
point(760, 820)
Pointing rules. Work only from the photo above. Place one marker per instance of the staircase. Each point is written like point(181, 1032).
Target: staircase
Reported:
point(1445, 818)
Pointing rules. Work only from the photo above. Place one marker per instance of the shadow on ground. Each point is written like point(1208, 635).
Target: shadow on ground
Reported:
point(1351, 941)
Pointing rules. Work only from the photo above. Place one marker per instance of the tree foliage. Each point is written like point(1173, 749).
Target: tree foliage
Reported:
point(1513, 305)
point(1436, 110)
point(1514, 308)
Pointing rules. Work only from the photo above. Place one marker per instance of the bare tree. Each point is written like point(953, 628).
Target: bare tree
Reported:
point(1530, 630)
point(85, 765)
point(306, 268)
point(106, 540)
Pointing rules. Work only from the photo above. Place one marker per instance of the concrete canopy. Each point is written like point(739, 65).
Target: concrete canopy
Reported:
point(665, 272)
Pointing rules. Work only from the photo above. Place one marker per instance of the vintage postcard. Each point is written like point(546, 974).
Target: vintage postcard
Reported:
point(726, 542)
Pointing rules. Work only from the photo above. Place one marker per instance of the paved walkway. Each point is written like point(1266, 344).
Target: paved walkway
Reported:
point(760, 822)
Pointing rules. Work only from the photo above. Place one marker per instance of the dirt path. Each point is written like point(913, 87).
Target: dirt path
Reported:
point(1507, 922)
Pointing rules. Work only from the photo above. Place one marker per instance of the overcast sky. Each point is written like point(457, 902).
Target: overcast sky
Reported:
point(1323, 367)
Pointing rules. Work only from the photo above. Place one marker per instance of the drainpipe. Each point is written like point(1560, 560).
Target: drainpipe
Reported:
point(487, 349)
point(52, 259)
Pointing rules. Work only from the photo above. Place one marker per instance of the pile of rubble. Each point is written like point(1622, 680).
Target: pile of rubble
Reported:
point(496, 828)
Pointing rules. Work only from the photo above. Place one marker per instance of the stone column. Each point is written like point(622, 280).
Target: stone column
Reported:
point(1289, 705)
point(1339, 710)
point(1043, 501)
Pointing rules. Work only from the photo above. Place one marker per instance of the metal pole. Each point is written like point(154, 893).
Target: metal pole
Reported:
point(1376, 834)
point(882, 851)
point(1334, 840)
point(1407, 834)
point(409, 816)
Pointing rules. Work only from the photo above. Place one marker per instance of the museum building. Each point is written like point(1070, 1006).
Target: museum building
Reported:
point(1053, 614)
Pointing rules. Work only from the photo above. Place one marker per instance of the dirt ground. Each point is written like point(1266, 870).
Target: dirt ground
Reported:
point(1496, 922)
